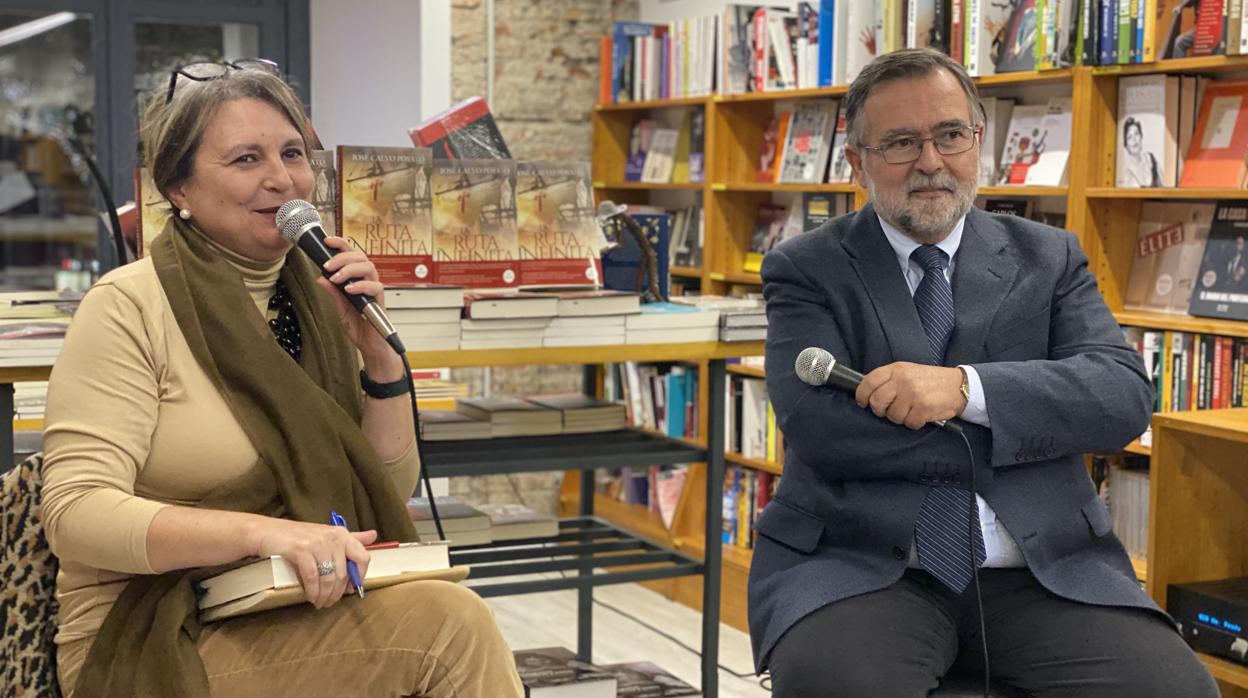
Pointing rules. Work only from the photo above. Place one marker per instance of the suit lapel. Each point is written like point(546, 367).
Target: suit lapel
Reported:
point(876, 264)
point(982, 277)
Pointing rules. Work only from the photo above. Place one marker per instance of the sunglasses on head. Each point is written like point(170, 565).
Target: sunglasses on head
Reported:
point(203, 72)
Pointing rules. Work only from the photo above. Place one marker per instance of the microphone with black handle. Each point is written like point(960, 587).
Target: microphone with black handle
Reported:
point(815, 366)
point(300, 224)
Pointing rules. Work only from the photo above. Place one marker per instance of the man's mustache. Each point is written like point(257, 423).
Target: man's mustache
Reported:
point(947, 182)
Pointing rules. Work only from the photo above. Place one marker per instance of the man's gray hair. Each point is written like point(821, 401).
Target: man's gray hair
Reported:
point(898, 65)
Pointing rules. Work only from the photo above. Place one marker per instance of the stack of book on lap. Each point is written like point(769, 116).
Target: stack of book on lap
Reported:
point(463, 524)
point(509, 416)
point(583, 414)
point(589, 317)
point(426, 315)
point(506, 320)
point(451, 425)
point(516, 521)
point(664, 323)
point(740, 319)
point(555, 672)
point(648, 680)
point(262, 584)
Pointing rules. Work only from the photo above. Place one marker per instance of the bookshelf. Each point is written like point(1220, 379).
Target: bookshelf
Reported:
point(1103, 217)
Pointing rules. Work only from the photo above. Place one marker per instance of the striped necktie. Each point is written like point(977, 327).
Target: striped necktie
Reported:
point(948, 523)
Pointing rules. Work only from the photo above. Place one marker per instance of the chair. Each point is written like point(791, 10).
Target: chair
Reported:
point(27, 587)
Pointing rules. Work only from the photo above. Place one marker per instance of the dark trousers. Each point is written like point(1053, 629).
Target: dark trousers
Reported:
point(898, 642)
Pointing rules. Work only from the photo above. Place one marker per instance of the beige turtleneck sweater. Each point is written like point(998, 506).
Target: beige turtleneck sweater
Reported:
point(133, 424)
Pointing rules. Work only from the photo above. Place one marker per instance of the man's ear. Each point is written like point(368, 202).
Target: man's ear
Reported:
point(854, 157)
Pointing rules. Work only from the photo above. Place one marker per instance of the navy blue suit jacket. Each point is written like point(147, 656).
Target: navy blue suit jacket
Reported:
point(1058, 379)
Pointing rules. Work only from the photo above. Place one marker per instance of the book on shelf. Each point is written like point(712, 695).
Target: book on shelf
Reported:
point(768, 230)
point(475, 242)
point(621, 266)
point(985, 26)
point(516, 521)
point(466, 131)
point(1217, 152)
point(1209, 39)
point(491, 305)
point(582, 413)
point(555, 672)
point(648, 680)
point(1023, 144)
point(1222, 283)
point(253, 582)
point(660, 156)
point(589, 302)
point(511, 416)
point(450, 425)
point(1009, 207)
point(324, 194)
point(686, 238)
point(557, 229)
point(997, 111)
point(462, 523)
point(770, 149)
point(809, 142)
point(1016, 39)
point(622, 58)
point(1175, 28)
point(1170, 240)
point(638, 145)
point(385, 209)
point(1148, 129)
point(1046, 163)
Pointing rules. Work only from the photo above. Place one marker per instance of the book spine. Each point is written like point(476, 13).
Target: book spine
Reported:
point(827, 18)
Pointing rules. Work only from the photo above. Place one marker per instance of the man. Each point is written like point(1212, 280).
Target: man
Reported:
point(864, 576)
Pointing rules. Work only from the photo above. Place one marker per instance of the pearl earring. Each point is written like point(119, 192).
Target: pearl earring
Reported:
point(185, 214)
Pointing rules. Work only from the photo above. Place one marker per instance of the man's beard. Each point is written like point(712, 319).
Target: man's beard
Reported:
point(925, 220)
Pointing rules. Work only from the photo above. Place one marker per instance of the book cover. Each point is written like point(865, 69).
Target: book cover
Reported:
point(809, 142)
point(1014, 45)
point(466, 131)
point(556, 671)
point(384, 203)
point(621, 265)
point(768, 231)
point(660, 156)
point(1051, 147)
point(1208, 37)
point(839, 169)
point(474, 223)
point(697, 145)
point(817, 208)
point(1216, 156)
point(1023, 145)
point(998, 111)
point(1222, 284)
point(646, 679)
point(557, 230)
point(1148, 115)
point(986, 27)
point(1169, 243)
point(859, 36)
point(769, 149)
point(325, 191)
point(638, 146)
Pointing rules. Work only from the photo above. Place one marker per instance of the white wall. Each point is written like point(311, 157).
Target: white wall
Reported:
point(379, 67)
point(660, 11)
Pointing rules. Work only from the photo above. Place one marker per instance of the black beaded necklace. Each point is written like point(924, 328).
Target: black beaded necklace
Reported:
point(286, 325)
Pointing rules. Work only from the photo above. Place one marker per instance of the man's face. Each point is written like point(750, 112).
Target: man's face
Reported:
point(924, 198)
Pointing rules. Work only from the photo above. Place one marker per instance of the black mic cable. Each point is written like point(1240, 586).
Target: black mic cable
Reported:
point(817, 367)
point(299, 223)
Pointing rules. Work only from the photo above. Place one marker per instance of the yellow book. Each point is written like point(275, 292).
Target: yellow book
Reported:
point(680, 168)
point(771, 433)
point(1167, 368)
point(1148, 54)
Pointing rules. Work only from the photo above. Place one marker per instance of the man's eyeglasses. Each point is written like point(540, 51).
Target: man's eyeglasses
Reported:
point(949, 141)
point(202, 72)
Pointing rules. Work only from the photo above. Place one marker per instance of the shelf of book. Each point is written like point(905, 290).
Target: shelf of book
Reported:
point(1022, 190)
point(1137, 448)
point(612, 449)
point(1025, 77)
point(653, 104)
point(784, 187)
point(650, 186)
point(748, 371)
point(777, 95)
point(686, 352)
point(1181, 323)
point(1174, 193)
point(1199, 64)
point(686, 272)
point(738, 277)
point(758, 464)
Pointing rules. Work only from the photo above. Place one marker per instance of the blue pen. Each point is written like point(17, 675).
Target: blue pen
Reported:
point(353, 571)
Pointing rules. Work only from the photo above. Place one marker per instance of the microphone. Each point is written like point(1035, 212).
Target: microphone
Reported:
point(300, 225)
point(817, 367)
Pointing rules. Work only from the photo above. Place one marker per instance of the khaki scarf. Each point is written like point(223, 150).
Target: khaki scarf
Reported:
point(303, 420)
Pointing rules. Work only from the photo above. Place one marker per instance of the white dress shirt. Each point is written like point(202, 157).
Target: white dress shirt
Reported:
point(999, 545)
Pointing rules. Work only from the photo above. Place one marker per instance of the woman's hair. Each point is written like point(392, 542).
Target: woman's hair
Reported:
point(1131, 121)
point(171, 133)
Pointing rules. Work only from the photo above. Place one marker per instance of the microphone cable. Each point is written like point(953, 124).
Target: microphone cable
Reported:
point(970, 541)
point(420, 446)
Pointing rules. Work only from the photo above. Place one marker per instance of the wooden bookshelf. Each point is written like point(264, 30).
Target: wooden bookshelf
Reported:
point(1199, 64)
point(1181, 323)
point(737, 277)
point(686, 272)
point(784, 187)
point(1023, 190)
point(1141, 568)
point(1025, 77)
point(1138, 449)
point(761, 465)
point(650, 186)
point(1167, 193)
point(22, 374)
point(652, 104)
point(778, 95)
point(748, 371)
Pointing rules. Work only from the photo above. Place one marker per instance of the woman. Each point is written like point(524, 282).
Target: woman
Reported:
point(1141, 165)
point(186, 430)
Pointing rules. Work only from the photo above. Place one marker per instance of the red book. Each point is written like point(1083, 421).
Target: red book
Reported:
point(604, 70)
point(1216, 155)
point(466, 131)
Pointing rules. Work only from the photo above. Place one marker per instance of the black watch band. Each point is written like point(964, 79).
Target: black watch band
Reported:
point(381, 391)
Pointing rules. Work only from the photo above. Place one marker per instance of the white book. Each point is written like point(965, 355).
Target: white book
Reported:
point(661, 156)
point(417, 342)
point(587, 321)
point(1148, 122)
point(424, 296)
point(998, 111)
point(584, 340)
point(673, 336)
point(754, 418)
point(984, 20)
point(583, 331)
point(443, 329)
point(808, 142)
point(839, 170)
point(1053, 147)
point(781, 48)
point(1019, 151)
point(860, 38)
point(840, 42)
point(526, 343)
point(422, 316)
point(468, 326)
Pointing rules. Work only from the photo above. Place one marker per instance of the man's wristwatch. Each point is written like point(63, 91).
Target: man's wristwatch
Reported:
point(381, 391)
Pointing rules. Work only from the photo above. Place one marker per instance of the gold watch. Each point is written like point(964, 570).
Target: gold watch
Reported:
point(966, 385)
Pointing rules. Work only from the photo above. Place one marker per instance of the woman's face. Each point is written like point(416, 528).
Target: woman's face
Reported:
point(1133, 139)
point(250, 161)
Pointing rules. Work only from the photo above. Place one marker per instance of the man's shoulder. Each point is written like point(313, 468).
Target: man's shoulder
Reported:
point(1024, 235)
point(823, 241)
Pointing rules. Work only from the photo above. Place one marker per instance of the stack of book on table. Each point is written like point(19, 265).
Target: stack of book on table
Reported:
point(582, 414)
point(462, 523)
point(506, 319)
point(740, 319)
point(509, 416)
point(648, 680)
point(589, 317)
point(516, 521)
point(33, 325)
point(272, 582)
point(426, 315)
point(451, 425)
point(665, 323)
point(555, 672)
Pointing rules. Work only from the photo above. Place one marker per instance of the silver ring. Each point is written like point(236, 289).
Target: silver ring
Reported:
point(326, 568)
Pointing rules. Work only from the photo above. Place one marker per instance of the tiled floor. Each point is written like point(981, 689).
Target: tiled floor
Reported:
point(543, 620)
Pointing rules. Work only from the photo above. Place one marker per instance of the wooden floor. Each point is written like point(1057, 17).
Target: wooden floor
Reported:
point(543, 620)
